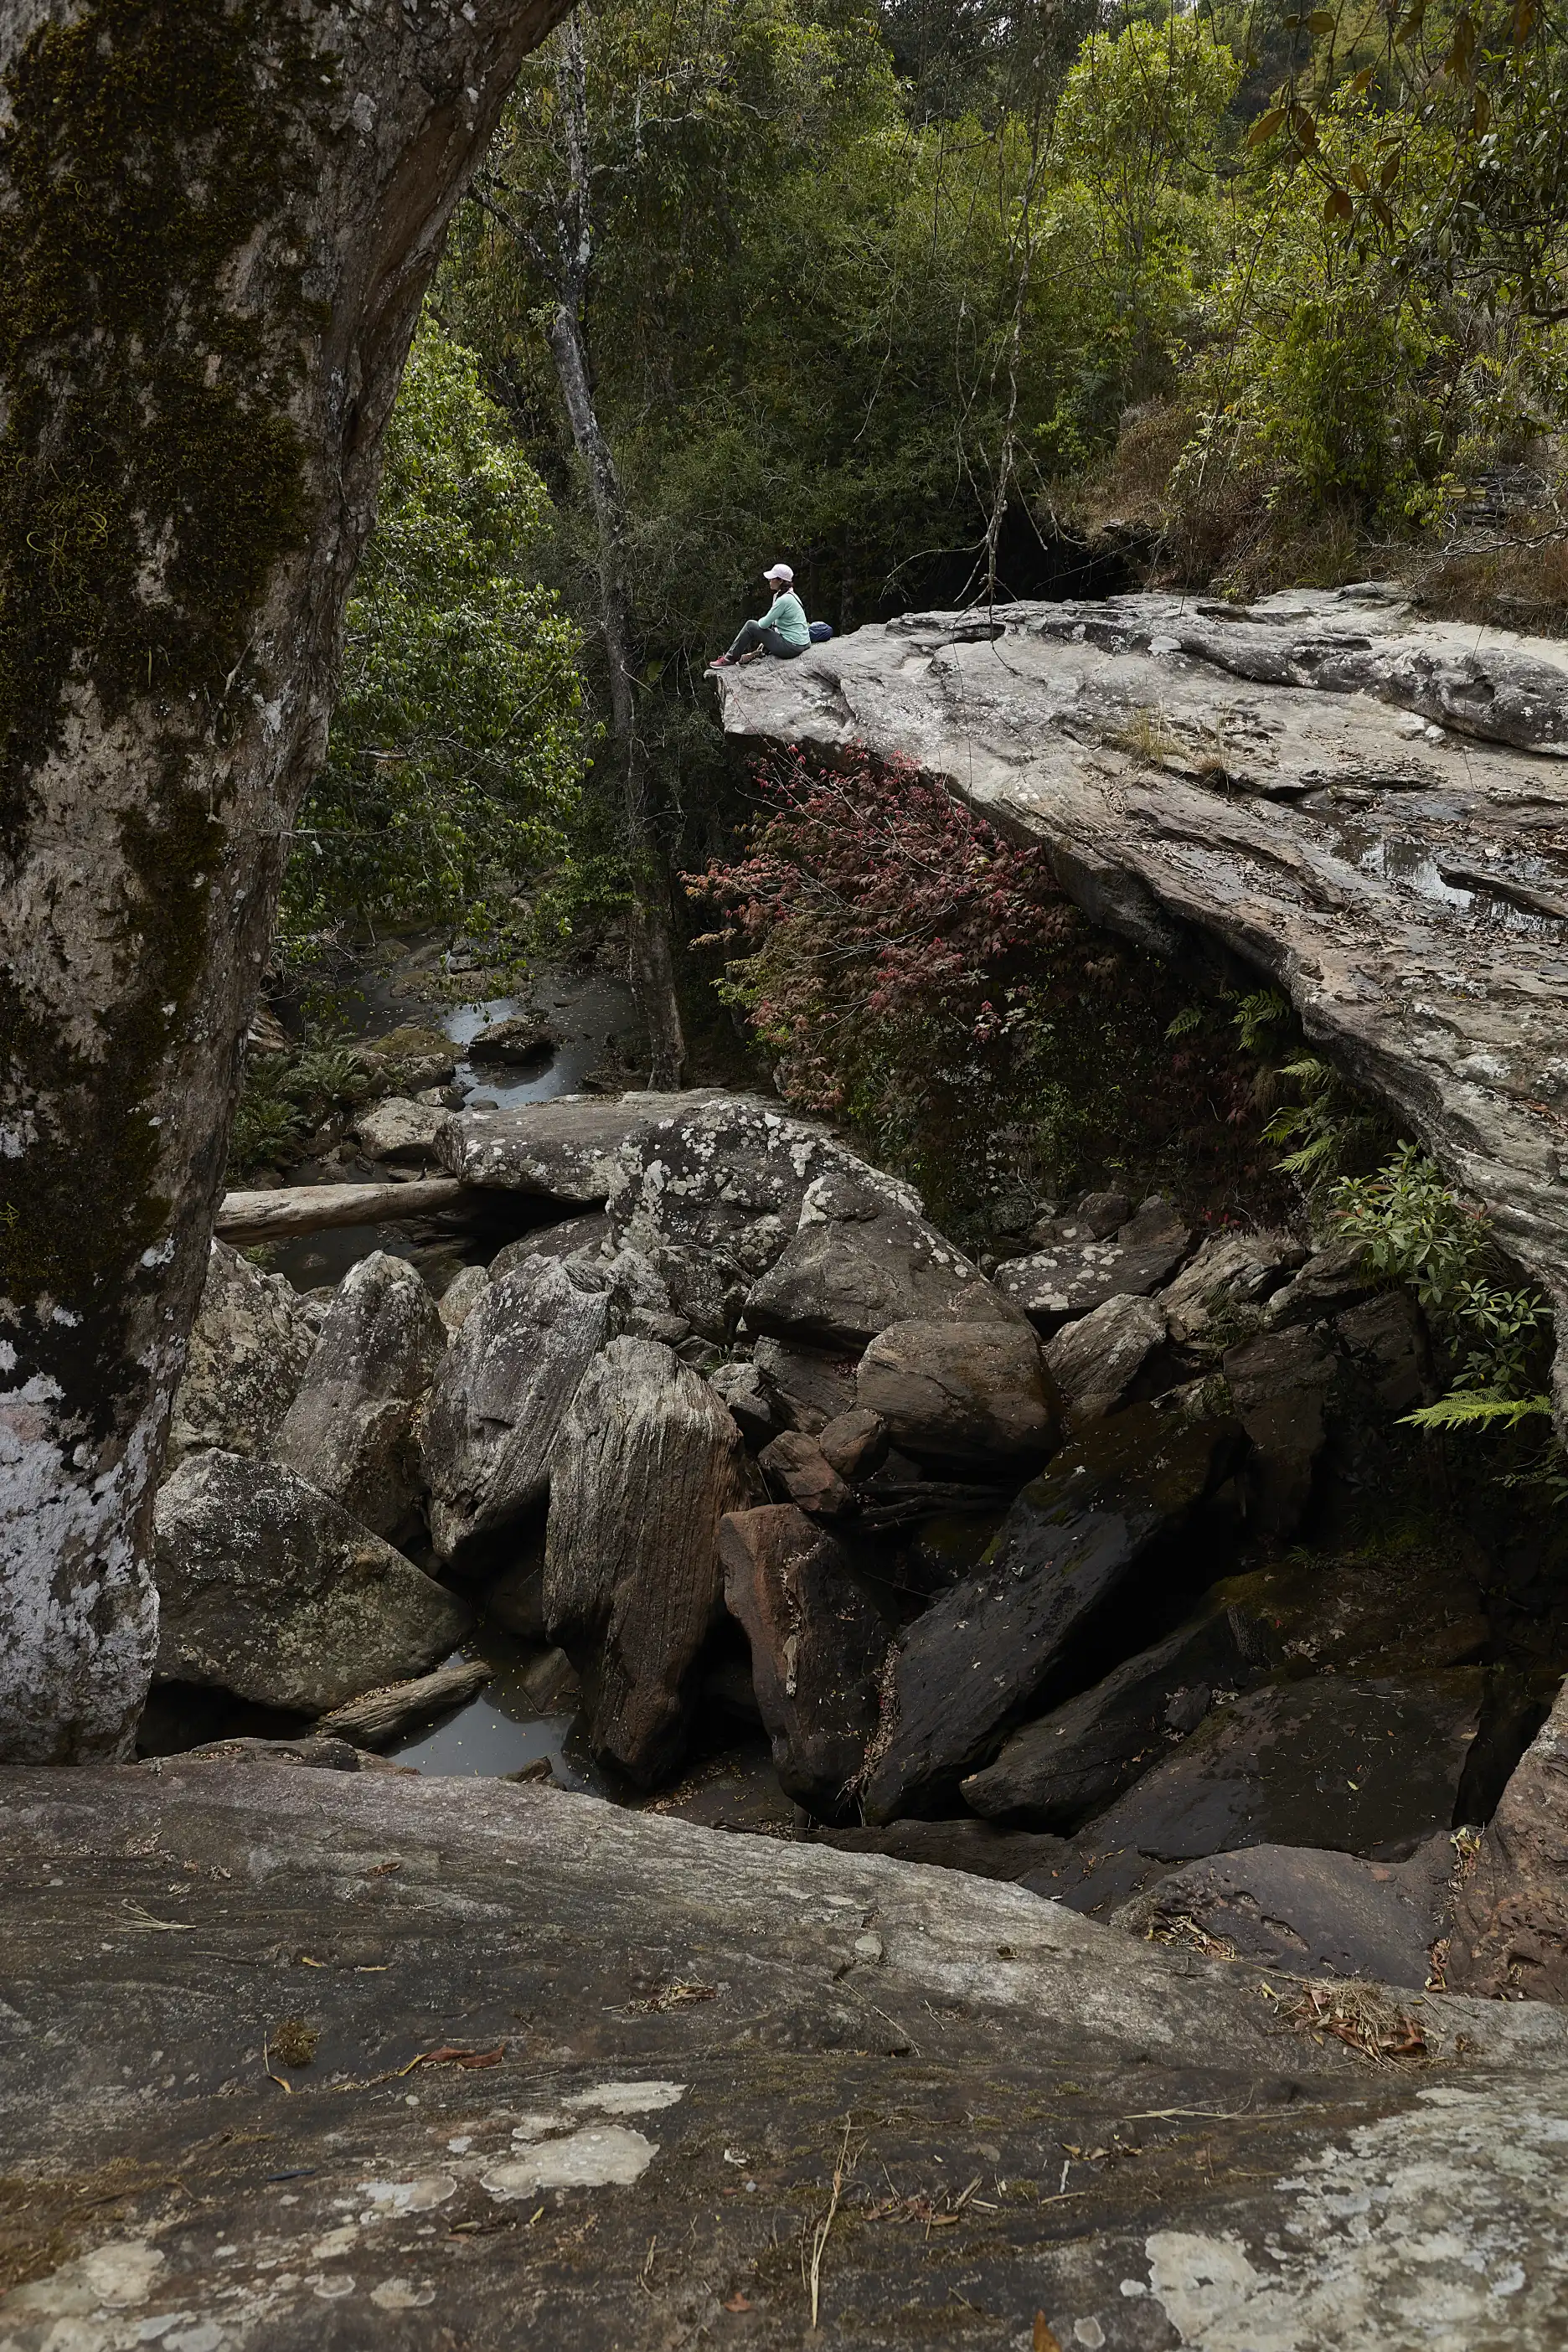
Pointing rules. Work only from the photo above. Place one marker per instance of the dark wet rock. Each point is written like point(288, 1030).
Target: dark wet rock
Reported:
point(969, 1392)
point(979, 1847)
point(271, 1590)
point(736, 1790)
point(515, 1598)
point(1367, 1767)
point(350, 1431)
point(1311, 1910)
point(1070, 1278)
point(713, 1191)
point(402, 1133)
point(1071, 1763)
point(577, 1238)
point(1095, 1361)
point(1103, 1211)
point(858, 1261)
point(817, 1645)
point(668, 2013)
point(521, 1042)
point(501, 1395)
point(647, 1463)
point(746, 1395)
point(856, 1444)
point(947, 1546)
point(967, 1670)
point(462, 1295)
point(322, 1755)
point(797, 1471)
point(1335, 899)
point(564, 1150)
point(1219, 1297)
point(1411, 1607)
point(1386, 1342)
point(248, 1348)
point(811, 1386)
point(1331, 1280)
point(1510, 1928)
point(1280, 1383)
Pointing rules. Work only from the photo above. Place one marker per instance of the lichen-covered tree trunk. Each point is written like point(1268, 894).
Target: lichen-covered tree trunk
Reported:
point(218, 218)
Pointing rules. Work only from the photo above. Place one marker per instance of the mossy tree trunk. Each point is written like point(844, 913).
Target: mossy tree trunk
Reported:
point(218, 218)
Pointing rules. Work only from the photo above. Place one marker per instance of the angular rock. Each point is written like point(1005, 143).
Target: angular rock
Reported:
point(350, 1432)
point(403, 1133)
point(968, 1669)
point(812, 1387)
point(1071, 1763)
point(577, 1238)
point(1353, 1614)
point(247, 1351)
point(1510, 1927)
point(1102, 1212)
point(1280, 1383)
point(1381, 744)
point(515, 1598)
point(269, 1590)
point(648, 1462)
point(746, 1396)
point(1220, 1295)
point(858, 1263)
point(517, 1043)
point(797, 1469)
point(1307, 1910)
point(855, 1443)
point(713, 1190)
point(566, 1149)
point(1368, 1766)
point(978, 1847)
point(961, 1391)
point(462, 1295)
point(1095, 1360)
point(1386, 1340)
point(817, 1645)
point(501, 1395)
point(1331, 1280)
point(1071, 1278)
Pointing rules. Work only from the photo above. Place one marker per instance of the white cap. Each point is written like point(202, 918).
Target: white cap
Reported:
point(778, 572)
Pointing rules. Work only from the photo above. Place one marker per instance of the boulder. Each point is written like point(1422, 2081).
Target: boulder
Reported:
point(855, 1443)
point(408, 1059)
point(271, 1590)
point(1331, 1280)
point(502, 1393)
point(1366, 1766)
point(1386, 1342)
point(1511, 1927)
point(1281, 1382)
point(1095, 1360)
point(246, 1355)
point(515, 1598)
point(810, 1387)
point(1307, 1910)
point(1357, 1613)
point(858, 1263)
point(1219, 1296)
point(796, 1469)
point(961, 1391)
point(521, 1042)
point(350, 1431)
point(647, 1464)
point(967, 1670)
point(818, 1644)
point(745, 1394)
point(576, 1237)
point(403, 1133)
point(979, 1847)
point(462, 1295)
point(713, 1190)
point(1071, 1763)
point(566, 1149)
point(1069, 1279)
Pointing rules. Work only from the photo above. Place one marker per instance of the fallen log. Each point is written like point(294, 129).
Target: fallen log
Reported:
point(247, 1217)
point(380, 1717)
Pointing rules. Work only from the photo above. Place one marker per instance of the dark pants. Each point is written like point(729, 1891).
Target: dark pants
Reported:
point(754, 638)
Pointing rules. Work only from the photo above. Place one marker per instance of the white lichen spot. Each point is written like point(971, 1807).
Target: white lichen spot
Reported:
point(403, 2294)
point(432, 2188)
point(627, 2098)
point(602, 2155)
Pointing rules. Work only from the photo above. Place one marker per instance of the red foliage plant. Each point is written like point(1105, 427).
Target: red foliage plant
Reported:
point(873, 895)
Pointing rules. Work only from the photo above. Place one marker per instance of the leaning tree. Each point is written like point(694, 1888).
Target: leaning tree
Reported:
point(217, 219)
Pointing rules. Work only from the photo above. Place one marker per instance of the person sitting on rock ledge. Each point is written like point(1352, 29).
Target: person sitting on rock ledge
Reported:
point(783, 630)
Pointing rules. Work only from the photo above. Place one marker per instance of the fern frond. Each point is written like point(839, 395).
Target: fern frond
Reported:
point(1475, 1409)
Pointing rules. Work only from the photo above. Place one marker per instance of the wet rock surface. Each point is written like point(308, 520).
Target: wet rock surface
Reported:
point(635, 2020)
point(271, 1590)
point(1369, 749)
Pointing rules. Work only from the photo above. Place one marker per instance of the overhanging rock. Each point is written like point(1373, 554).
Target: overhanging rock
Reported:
point(1369, 807)
point(302, 2059)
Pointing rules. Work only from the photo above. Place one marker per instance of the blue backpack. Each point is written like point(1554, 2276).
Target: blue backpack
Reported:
point(820, 632)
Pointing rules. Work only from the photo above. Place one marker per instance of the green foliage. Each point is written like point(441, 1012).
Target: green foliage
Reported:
point(457, 746)
point(285, 1099)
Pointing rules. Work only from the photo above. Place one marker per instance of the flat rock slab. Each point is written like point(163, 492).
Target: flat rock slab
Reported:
point(567, 1150)
point(579, 2077)
point(1307, 1910)
point(1368, 1766)
point(1322, 760)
